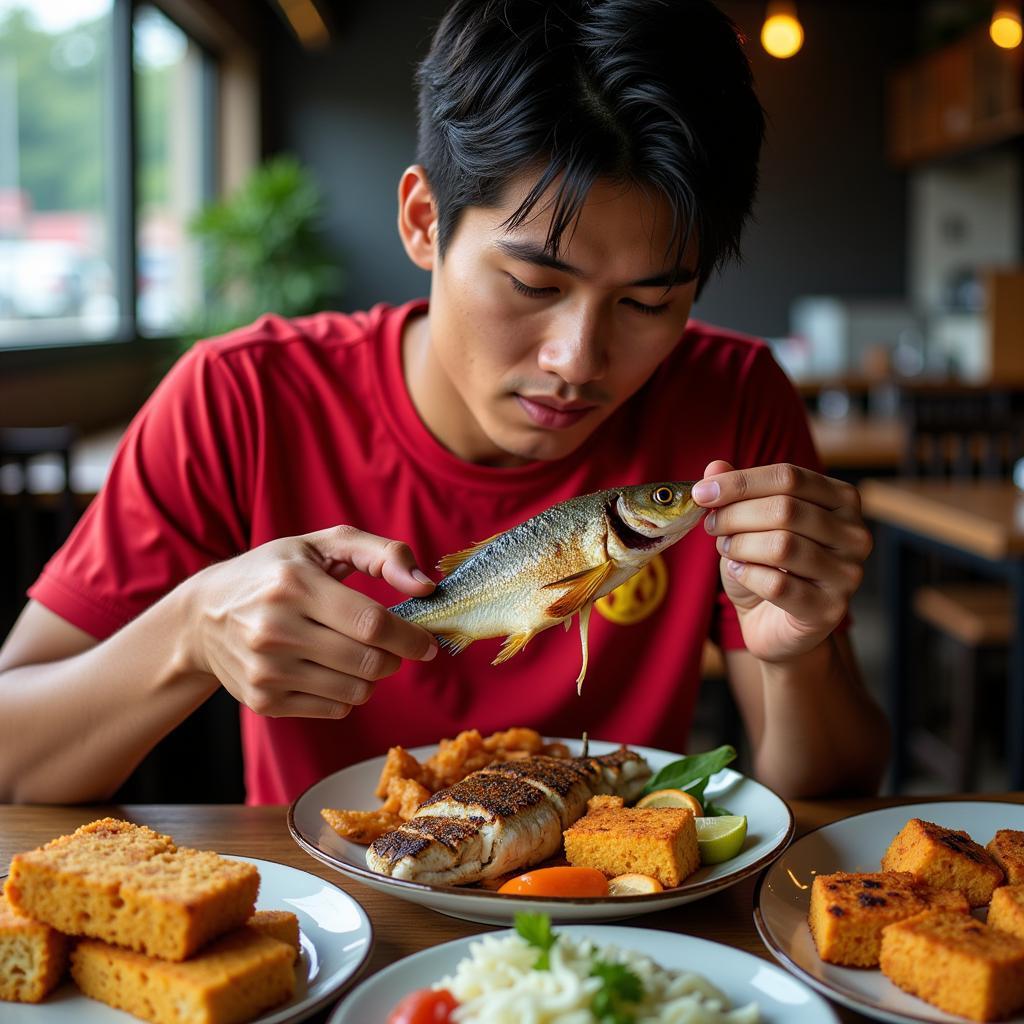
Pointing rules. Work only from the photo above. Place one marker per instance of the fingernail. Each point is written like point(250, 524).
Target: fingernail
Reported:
point(705, 490)
point(735, 568)
point(422, 577)
point(431, 653)
point(709, 521)
point(726, 542)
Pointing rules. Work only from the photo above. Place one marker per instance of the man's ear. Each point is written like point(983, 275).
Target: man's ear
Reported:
point(417, 217)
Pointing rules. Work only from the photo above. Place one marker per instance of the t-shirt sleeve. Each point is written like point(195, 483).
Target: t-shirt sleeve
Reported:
point(772, 427)
point(173, 502)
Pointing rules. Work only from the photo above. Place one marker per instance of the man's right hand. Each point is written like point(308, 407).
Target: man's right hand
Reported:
point(286, 637)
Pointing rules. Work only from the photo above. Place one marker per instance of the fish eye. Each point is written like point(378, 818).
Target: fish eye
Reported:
point(662, 495)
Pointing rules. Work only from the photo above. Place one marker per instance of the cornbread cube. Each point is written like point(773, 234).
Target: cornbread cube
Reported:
point(946, 858)
point(278, 924)
point(32, 957)
point(1007, 850)
point(234, 978)
point(126, 884)
point(658, 841)
point(849, 911)
point(1006, 911)
point(605, 803)
point(956, 963)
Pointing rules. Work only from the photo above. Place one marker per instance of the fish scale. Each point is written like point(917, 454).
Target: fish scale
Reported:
point(552, 566)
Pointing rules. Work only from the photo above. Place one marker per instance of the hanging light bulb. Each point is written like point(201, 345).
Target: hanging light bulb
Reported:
point(1005, 28)
point(782, 35)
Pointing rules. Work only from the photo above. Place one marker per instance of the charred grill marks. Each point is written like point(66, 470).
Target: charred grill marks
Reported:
point(418, 833)
point(498, 796)
point(557, 774)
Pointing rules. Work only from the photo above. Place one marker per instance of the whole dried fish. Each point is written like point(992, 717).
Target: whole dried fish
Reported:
point(551, 567)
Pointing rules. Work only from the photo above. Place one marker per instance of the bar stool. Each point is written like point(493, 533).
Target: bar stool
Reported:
point(975, 619)
point(960, 433)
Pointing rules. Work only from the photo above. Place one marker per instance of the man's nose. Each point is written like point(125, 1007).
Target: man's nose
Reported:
point(577, 348)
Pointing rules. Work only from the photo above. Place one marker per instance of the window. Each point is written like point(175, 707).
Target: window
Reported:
point(69, 216)
point(173, 102)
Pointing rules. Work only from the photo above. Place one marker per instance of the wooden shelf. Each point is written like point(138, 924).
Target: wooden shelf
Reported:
point(964, 97)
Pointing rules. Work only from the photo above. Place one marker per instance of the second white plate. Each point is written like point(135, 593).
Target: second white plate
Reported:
point(857, 844)
point(744, 978)
point(335, 935)
point(769, 829)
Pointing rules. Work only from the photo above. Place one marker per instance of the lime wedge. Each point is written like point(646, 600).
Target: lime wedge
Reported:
point(720, 838)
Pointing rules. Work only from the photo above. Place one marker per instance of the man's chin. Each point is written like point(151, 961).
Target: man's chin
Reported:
point(543, 446)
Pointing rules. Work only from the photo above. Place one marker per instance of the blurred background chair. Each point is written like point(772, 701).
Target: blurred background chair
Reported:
point(40, 513)
point(201, 760)
point(963, 624)
point(961, 432)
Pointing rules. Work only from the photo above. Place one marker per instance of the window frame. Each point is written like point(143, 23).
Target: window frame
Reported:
point(127, 340)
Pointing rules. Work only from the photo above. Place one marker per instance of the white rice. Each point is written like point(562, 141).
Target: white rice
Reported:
point(496, 984)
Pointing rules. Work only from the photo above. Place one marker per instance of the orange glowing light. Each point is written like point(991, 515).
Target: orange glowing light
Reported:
point(782, 35)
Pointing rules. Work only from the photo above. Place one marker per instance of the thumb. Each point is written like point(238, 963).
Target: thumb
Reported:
point(706, 491)
point(340, 550)
point(717, 466)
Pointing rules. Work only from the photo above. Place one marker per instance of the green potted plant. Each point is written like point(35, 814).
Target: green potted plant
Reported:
point(263, 250)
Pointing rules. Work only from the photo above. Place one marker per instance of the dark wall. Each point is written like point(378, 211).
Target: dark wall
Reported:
point(830, 216)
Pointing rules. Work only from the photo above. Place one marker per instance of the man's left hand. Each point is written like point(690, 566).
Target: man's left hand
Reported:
point(792, 545)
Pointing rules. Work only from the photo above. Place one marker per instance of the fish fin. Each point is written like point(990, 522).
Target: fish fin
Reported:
point(454, 640)
point(581, 589)
point(584, 632)
point(513, 645)
point(451, 562)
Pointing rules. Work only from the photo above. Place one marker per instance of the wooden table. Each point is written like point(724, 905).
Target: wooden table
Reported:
point(400, 928)
point(977, 523)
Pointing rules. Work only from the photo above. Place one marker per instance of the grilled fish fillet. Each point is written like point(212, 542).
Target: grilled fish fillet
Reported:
point(506, 817)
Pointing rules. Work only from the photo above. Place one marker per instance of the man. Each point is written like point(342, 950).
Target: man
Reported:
point(583, 169)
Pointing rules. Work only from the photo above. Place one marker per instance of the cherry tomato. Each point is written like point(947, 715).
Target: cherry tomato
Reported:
point(424, 1006)
point(558, 882)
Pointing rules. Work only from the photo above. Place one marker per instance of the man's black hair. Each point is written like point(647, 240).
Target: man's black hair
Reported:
point(653, 93)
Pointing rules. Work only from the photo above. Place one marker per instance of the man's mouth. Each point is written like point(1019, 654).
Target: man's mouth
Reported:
point(553, 414)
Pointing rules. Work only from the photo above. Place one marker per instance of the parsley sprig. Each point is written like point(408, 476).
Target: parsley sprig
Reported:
point(619, 987)
point(536, 930)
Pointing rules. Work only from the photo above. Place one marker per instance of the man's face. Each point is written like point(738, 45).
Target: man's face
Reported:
point(523, 357)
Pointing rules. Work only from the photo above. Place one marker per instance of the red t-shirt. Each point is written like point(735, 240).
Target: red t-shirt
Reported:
point(286, 427)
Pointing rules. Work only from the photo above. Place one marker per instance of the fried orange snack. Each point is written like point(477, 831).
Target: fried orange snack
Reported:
point(516, 739)
point(360, 826)
point(404, 797)
point(400, 764)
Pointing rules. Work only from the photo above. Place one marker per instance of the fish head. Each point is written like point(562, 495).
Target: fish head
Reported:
point(650, 517)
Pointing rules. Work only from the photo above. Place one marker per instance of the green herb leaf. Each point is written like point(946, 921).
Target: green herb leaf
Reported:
point(619, 986)
point(536, 930)
point(715, 811)
point(692, 773)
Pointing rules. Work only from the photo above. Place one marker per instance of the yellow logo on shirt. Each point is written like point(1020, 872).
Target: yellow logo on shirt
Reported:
point(638, 597)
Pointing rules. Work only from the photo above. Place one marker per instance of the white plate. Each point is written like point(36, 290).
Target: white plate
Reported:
point(741, 976)
point(769, 829)
point(857, 844)
point(335, 935)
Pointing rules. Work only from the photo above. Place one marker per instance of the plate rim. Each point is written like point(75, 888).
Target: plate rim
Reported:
point(304, 1009)
point(367, 876)
point(852, 1002)
point(583, 927)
